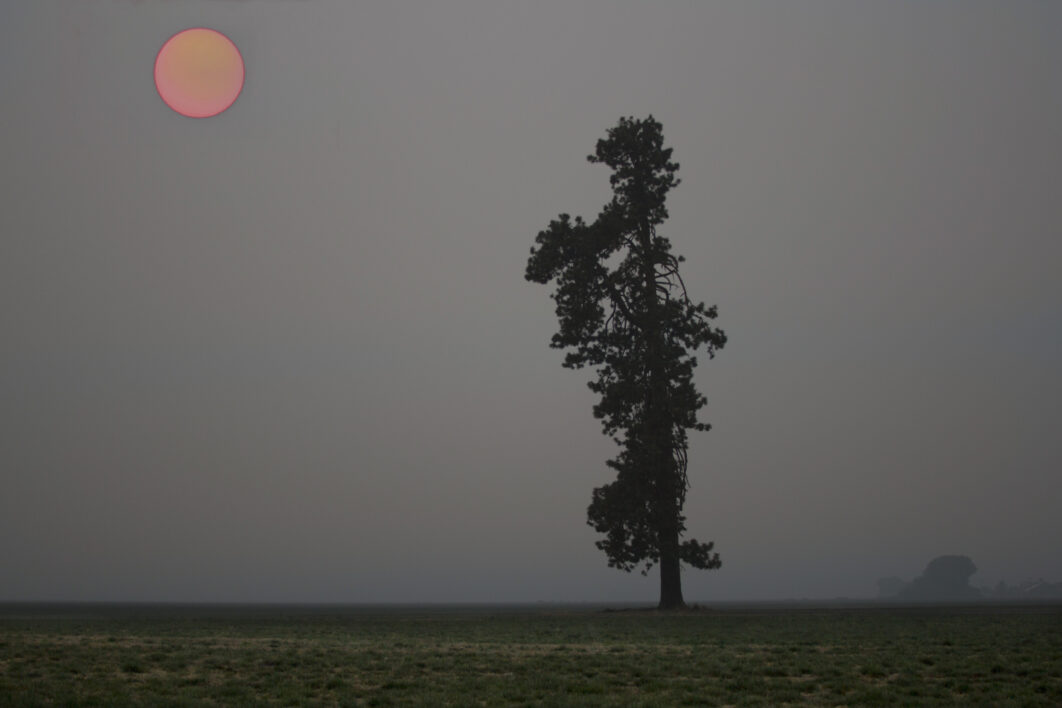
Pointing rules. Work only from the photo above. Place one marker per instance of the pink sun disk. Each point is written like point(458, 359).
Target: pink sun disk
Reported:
point(199, 72)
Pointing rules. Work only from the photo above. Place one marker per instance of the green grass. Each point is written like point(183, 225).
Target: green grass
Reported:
point(183, 656)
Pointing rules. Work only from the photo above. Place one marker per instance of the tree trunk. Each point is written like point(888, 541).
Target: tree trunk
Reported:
point(659, 429)
point(670, 579)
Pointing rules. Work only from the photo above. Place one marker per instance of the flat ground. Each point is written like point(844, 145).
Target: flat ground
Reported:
point(727, 655)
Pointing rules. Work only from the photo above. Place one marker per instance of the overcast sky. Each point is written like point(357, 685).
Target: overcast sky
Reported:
point(288, 353)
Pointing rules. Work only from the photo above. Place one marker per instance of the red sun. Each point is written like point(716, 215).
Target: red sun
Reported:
point(199, 72)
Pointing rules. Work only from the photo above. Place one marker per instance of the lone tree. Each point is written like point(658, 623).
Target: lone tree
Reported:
point(623, 308)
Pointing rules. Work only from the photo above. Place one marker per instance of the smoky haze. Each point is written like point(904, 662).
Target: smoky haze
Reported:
point(288, 353)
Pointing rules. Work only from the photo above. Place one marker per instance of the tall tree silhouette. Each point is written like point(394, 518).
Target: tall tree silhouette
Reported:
point(623, 308)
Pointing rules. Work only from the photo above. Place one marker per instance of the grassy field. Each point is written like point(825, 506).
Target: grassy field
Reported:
point(729, 655)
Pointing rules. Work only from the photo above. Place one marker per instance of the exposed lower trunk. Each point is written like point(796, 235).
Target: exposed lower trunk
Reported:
point(670, 578)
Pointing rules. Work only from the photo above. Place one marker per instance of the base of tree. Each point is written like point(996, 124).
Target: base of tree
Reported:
point(682, 608)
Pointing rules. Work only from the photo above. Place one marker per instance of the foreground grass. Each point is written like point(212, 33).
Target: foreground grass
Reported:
point(111, 655)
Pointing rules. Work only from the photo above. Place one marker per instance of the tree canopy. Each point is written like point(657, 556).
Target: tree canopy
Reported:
point(623, 309)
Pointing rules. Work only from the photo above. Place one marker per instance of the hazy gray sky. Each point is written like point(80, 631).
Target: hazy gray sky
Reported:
point(288, 353)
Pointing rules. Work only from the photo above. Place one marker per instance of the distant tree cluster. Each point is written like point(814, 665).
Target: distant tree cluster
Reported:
point(947, 579)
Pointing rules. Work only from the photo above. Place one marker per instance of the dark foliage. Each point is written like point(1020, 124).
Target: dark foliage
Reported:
point(946, 578)
point(623, 309)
